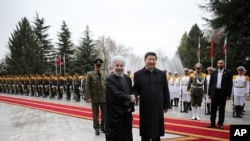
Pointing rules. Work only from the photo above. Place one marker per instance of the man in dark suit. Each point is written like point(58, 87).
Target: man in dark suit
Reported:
point(219, 91)
point(151, 85)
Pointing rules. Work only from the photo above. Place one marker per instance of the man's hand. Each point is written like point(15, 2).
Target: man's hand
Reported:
point(132, 99)
point(89, 100)
point(165, 110)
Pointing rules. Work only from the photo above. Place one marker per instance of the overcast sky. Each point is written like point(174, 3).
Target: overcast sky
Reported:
point(144, 25)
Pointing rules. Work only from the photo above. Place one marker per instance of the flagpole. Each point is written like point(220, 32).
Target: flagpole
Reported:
point(226, 59)
point(212, 60)
point(199, 52)
point(60, 63)
point(56, 64)
point(225, 50)
point(64, 64)
point(212, 52)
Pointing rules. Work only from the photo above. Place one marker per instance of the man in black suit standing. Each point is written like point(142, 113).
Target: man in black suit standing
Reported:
point(219, 91)
point(151, 85)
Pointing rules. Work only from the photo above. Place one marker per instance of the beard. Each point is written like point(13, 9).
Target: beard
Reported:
point(119, 73)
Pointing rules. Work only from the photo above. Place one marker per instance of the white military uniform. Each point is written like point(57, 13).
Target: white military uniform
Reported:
point(240, 89)
point(183, 86)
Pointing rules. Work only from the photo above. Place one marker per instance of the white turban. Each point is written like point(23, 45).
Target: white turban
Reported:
point(118, 58)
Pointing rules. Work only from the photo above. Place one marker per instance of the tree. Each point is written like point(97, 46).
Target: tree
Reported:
point(233, 17)
point(45, 45)
point(182, 49)
point(24, 50)
point(237, 21)
point(65, 44)
point(107, 48)
point(86, 53)
point(188, 48)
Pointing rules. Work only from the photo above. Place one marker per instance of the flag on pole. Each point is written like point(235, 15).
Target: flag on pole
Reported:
point(212, 49)
point(225, 46)
point(199, 49)
point(59, 60)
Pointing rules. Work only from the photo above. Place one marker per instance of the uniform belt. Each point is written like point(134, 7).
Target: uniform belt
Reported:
point(196, 86)
point(239, 86)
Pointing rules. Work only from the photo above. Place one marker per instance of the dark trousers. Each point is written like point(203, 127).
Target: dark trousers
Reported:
point(95, 114)
point(219, 100)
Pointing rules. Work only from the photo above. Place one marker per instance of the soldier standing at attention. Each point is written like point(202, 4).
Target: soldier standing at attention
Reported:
point(96, 94)
point(76, 84)
point(240, 89)
point(185, 96)
point(198, 87)
point(207, 99)
point(68, 85)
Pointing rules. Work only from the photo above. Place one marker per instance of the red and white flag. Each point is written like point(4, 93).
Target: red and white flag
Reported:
point(59, 60)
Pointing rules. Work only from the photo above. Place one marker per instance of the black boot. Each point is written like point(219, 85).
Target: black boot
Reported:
point(237, 109)
point(185, 107)
point(177, 102)
point(241, 110)
point(171, 103)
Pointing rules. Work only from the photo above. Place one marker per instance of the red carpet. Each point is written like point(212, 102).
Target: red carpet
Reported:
point(192, 130)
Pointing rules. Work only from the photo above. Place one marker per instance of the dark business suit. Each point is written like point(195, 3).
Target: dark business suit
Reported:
point(219, 95)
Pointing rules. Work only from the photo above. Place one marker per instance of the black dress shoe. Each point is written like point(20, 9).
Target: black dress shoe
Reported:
point(221, 127)
point(211, 126)
point(97, 132)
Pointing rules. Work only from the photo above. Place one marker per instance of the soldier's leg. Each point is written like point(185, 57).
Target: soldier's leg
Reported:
point(103, 116)
point(95, 114)
point(68, 93)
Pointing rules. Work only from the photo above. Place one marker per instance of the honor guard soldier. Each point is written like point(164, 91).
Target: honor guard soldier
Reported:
point(33, 86)
point(207, 99)
point(240, 89)
point(76, 84)
point(60, 84)
point(96, 94)
point(198, 87)
point(18, 84)
point(185, 96)
point(68, 85)
point(45, 86)
point(170, 79)
point(176, 91)
point(52, 83)
point(82, 85)
point(26, 86)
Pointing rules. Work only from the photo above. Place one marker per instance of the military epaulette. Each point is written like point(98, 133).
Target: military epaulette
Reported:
point(234, 77)
point(247, 77)
point(204, 75)
point(192, 75)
